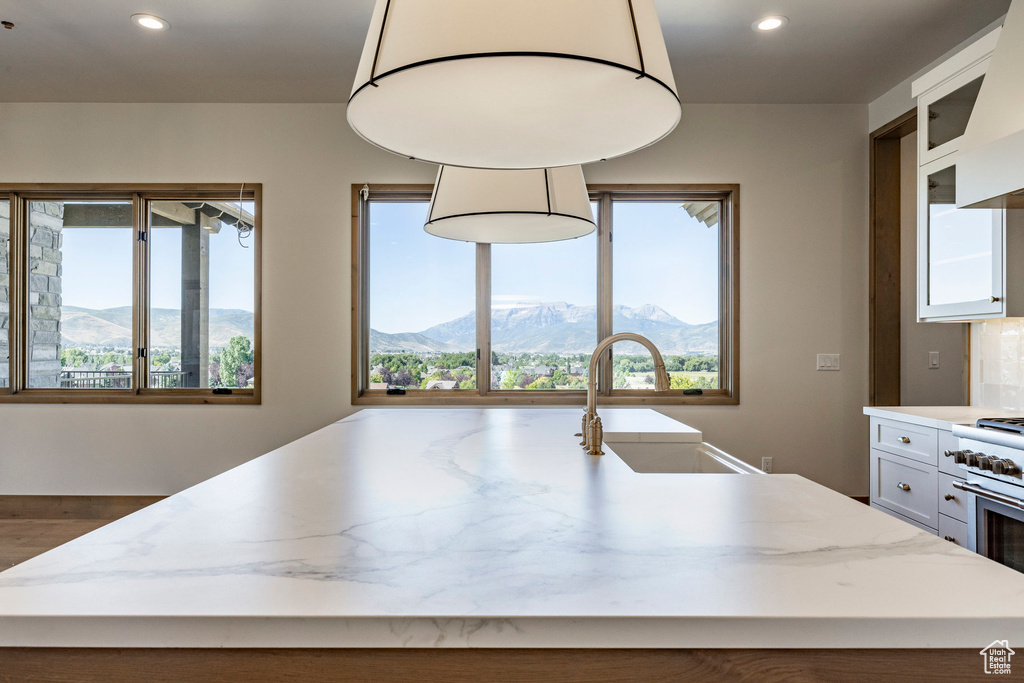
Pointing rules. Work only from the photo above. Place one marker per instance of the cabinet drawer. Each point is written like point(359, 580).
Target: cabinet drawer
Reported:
point(947, 444)
point(905, 486)
point(952, 502)
point(900, 517)
point(953, 530)
point(909, 440)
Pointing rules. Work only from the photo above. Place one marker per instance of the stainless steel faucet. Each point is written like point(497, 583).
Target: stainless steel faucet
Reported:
point(592, 431)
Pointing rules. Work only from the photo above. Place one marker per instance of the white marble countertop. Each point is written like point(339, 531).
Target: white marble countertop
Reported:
point(491, 528)
point(646, 425)
point(940, 417)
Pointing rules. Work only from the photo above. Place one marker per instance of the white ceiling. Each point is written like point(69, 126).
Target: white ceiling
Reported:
point(832, 51)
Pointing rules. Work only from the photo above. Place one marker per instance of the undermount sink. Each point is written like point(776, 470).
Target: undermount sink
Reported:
point(678, 458)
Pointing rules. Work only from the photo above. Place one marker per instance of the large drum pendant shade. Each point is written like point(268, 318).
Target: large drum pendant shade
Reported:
point(514, 83)
point(510, 206)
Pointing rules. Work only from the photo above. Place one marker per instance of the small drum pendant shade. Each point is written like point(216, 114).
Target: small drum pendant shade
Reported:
point(516, 206)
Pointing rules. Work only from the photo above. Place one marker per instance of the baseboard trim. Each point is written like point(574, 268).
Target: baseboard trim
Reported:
point(72, 507)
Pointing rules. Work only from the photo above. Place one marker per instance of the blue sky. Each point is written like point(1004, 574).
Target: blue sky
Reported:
point(662, 257)
point(97, 268)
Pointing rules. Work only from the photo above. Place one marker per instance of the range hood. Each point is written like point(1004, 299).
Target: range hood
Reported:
point(990, 165)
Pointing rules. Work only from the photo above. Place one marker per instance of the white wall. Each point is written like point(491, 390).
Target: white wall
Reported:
point(919, 384)
point(898, 100)
point(803, 280)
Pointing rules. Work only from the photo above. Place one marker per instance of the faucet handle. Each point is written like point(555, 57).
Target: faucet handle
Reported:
point(596, 436)
point(586, 428)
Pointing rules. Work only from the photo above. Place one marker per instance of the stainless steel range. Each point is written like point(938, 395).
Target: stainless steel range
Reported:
point(992, 455)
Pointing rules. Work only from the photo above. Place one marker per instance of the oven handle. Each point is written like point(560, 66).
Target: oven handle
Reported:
point(991, 495)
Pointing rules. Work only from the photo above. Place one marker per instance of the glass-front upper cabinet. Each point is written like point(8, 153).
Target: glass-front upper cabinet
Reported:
point(960, 251)
point(946, 96)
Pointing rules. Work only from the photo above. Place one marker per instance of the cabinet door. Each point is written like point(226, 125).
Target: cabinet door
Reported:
point(943, 111)
point(960, 251)
point(904, 486)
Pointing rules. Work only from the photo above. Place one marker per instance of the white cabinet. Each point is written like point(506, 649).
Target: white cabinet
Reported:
point(962, 253)
point(912, 478)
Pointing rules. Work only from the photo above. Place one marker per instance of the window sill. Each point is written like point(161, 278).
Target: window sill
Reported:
point(540, 398)
point(143, 397)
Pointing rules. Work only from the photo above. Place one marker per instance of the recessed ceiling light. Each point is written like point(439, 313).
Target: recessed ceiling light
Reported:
point(770, 23)
point(151, 22)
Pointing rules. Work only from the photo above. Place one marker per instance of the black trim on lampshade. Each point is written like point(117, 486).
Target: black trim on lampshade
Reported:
point(547, 190)
point(503, 213)
point(433, 193)
point(482, 55)
point(636, 37)
point(380, 40)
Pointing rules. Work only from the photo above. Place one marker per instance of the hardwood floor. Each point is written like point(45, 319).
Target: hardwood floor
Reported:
point(31, 525)
point(22, 539)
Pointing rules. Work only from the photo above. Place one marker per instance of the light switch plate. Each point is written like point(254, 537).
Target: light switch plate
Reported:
point(933, 360)
point(828, 361)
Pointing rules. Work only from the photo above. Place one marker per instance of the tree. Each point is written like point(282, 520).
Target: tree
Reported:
point(72, 358)
point(511, 378)
point(235, 358)
point(541, 383)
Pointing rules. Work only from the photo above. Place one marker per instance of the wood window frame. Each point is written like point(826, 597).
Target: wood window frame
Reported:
point(21, 194)
point(729, 301)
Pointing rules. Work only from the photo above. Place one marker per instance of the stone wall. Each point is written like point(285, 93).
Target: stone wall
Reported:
point(46, 224)
point(5, 306)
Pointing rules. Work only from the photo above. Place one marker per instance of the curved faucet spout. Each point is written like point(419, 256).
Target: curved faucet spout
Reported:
point(661, 381)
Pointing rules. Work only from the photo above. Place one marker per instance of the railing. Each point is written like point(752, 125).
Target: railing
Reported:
point(100, 379)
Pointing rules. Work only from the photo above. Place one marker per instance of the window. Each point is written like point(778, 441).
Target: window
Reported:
point(5, 289)
point(453, 322)
point(122, 294)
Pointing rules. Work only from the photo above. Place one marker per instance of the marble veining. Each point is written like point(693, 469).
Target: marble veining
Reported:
point(491, 528)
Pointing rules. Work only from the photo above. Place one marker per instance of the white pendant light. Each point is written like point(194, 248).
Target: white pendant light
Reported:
point(510, 206)
point(514, 83)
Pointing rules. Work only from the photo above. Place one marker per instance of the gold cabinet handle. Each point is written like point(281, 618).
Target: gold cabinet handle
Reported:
point(903, 487)
point(993, 299)
point(950, 539)
point(904, 439)
point(950, 496)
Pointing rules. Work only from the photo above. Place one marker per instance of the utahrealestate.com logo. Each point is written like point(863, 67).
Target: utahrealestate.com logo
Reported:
point(997, 657)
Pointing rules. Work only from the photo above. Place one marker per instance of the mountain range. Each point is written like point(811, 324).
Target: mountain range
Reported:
point(555, 327)
point(113, 326)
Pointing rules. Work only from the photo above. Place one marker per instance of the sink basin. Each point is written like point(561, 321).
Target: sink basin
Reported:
point(678, 458)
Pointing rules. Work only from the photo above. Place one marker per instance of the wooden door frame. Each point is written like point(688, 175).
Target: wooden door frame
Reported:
point(884, 260)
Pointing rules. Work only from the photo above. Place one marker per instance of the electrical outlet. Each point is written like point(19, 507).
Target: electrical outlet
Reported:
point(766, 465)
point(828, 361)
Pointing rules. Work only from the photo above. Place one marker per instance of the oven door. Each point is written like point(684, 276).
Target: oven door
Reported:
point(995, 523)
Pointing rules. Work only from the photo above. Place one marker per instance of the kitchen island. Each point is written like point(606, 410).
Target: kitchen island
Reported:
point(490, 528)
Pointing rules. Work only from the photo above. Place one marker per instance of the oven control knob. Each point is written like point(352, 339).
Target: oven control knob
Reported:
point(970, 458)
point(960, 457)
point(985, 461)
point(1004, 467)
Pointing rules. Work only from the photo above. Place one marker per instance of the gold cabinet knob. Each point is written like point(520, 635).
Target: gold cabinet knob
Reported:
point(903, 487)
point(994, 299)
point(904, 439)
point(949, 496)
point(950, 539)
